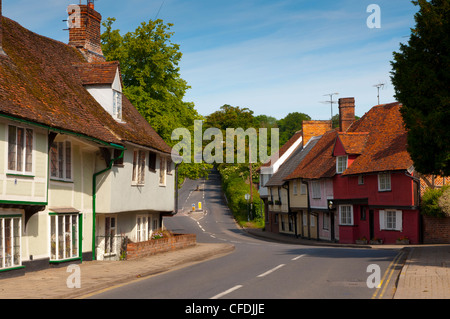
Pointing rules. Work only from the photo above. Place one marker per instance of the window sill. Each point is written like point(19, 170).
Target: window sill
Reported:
point(137, 185)
point(20, 175)
point(64, 260)
point(11, 268)
point(68, 181)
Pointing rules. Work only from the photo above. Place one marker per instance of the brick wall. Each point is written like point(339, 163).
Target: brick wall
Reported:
point(155, 246)
point(314, 128)
point(436, 230)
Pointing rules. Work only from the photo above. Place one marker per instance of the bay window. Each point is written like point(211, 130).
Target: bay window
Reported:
point(64, 239)
point(10, 241)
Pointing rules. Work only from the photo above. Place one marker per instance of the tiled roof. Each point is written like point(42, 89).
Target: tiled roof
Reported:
point(39, 83)
point(291, 163)
point(97, 72)
point(320, 162)
point(386, 145)
point(353, 142)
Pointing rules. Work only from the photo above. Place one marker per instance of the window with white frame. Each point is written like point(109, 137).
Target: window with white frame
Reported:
point(302, 189)
point(346, 215)
point(20, 149)
point(294, 187)
point(153, 224)
point(162, 171)
point(64, 239)
point(117, 104)
point(110, 235)
point(61, 160)
point(141, 228)
point(138, 177)
point(169, 166)
point(341, 164)
point(10, 240)
point(315, 190)
point(360, 179)
point(384, 182)
point(390, 220)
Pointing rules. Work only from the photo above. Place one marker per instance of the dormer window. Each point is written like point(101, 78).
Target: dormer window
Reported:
point(117, 104)
point(341, 164)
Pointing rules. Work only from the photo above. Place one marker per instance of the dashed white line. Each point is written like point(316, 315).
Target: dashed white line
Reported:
point(226, 292)
point(271, 271)
point(298, 257)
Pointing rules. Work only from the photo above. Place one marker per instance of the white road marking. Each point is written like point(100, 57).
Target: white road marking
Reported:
point(298, 257)
point(226, 292)
point(271, 271)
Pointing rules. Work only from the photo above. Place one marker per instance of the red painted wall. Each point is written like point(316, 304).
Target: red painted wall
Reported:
point(401, 194)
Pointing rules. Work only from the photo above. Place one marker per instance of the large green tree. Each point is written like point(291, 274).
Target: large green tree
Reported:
point(151, 75)
point(421, 77)
point(152, 82)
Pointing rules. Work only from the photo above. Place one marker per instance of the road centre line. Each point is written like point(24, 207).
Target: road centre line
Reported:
point(226, 292)
point(298, 257)
point(271, 271)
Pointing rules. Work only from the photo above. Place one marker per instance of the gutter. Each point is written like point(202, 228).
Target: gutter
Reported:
point(94, 192)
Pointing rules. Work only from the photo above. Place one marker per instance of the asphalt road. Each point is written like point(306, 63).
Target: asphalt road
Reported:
point(257, 269)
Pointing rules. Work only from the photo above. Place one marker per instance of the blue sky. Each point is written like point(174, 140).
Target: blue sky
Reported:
point(274, 57)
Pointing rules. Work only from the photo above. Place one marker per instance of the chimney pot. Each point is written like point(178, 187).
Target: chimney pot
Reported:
point(346, 113)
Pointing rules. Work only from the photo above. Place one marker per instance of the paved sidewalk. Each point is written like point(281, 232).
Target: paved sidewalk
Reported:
point(100, 275)
point(426, 273)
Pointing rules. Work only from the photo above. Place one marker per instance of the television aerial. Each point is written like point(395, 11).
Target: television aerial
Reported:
point(331, 102)
point(379, 86)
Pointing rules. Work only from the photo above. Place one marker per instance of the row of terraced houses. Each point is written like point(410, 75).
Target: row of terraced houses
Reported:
point(80, 168)
point(352, 184)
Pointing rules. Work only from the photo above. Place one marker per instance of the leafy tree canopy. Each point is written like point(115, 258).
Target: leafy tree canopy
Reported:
point(150, 73)
point(421, 77)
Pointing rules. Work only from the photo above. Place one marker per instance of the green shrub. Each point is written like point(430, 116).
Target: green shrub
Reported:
point(430, 202)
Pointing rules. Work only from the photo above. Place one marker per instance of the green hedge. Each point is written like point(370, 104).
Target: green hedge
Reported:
point(235, 186)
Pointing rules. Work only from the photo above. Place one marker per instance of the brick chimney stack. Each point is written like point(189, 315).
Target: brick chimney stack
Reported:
point(84, 31)
point(346, 113)
point(314, 128)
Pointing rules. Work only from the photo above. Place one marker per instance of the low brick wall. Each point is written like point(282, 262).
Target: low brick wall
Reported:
point(436, 230)
point(155, 246)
